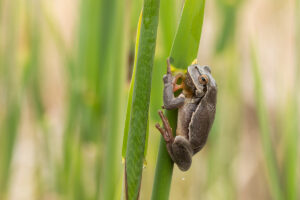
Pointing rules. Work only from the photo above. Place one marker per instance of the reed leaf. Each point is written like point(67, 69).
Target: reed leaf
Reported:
point(140, 99)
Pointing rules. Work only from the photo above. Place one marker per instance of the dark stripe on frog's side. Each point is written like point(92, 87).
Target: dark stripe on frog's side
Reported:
point(202, 120)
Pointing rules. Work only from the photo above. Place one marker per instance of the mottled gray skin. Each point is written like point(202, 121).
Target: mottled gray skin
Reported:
point(196, 112)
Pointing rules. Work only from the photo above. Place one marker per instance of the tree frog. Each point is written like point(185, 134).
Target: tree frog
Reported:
point(196, 106)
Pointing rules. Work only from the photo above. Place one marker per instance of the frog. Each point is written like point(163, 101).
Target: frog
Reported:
point(196, 104)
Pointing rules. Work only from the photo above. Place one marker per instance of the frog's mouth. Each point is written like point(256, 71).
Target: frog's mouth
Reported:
point(200, 92)
point(204, 89)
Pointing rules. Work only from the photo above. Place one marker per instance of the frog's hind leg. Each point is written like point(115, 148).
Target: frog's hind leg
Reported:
point(179, 148)
point(182, 153)
point(166, 132)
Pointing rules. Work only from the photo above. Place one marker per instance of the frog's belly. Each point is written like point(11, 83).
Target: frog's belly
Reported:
point(184, 117)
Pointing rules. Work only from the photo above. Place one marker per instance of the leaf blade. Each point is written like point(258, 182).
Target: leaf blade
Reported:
point(128, 111)
point(140, 99)
point(186, 43)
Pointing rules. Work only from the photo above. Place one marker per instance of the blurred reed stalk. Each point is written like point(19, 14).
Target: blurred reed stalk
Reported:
point(32, 77)
point(183, 52)
point(95, 85)
point(228, 11)
point(291, 123)
point(80, 101)
point(140, 99)
point(60, 168)
point(97, 78)
point(290, 120)
point(276, 187)
point(116, 63)
point(10, 91)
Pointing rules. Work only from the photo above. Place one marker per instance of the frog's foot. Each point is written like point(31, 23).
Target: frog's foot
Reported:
point(166, 131)
point(163, 133)
point(182, 153)
point(174, 82)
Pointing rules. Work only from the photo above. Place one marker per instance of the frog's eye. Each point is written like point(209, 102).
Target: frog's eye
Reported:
point(203, 79)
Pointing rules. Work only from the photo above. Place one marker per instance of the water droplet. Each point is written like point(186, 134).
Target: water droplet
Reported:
point(182, 178)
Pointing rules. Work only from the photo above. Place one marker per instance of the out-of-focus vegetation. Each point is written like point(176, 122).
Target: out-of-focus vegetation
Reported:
point(65, 69)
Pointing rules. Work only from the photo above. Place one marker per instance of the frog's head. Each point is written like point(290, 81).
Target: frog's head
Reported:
point(198, 79)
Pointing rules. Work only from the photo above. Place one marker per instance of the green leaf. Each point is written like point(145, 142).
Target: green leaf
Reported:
point(186, 43)
point(291, 137)
point(116, 78)
point(141, 98)
point(291, 125)
point(128, 112)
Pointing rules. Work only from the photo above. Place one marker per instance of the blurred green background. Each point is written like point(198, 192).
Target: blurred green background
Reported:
point(65, 70)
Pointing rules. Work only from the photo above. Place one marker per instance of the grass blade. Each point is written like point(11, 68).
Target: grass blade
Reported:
point(11, 93)
point(291, 131)
point(140, 99)
point(291, 119)
point(268, 150)
point(128, 112)
point(186, 43)
point(112, 158)
point(228, 12)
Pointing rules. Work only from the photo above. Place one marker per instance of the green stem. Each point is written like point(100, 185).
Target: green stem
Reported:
point(164, 167)
point(141, 98)
point(111, 165)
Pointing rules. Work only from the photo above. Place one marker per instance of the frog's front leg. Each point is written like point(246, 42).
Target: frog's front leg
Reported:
point(178, 148)
point(170, 101)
